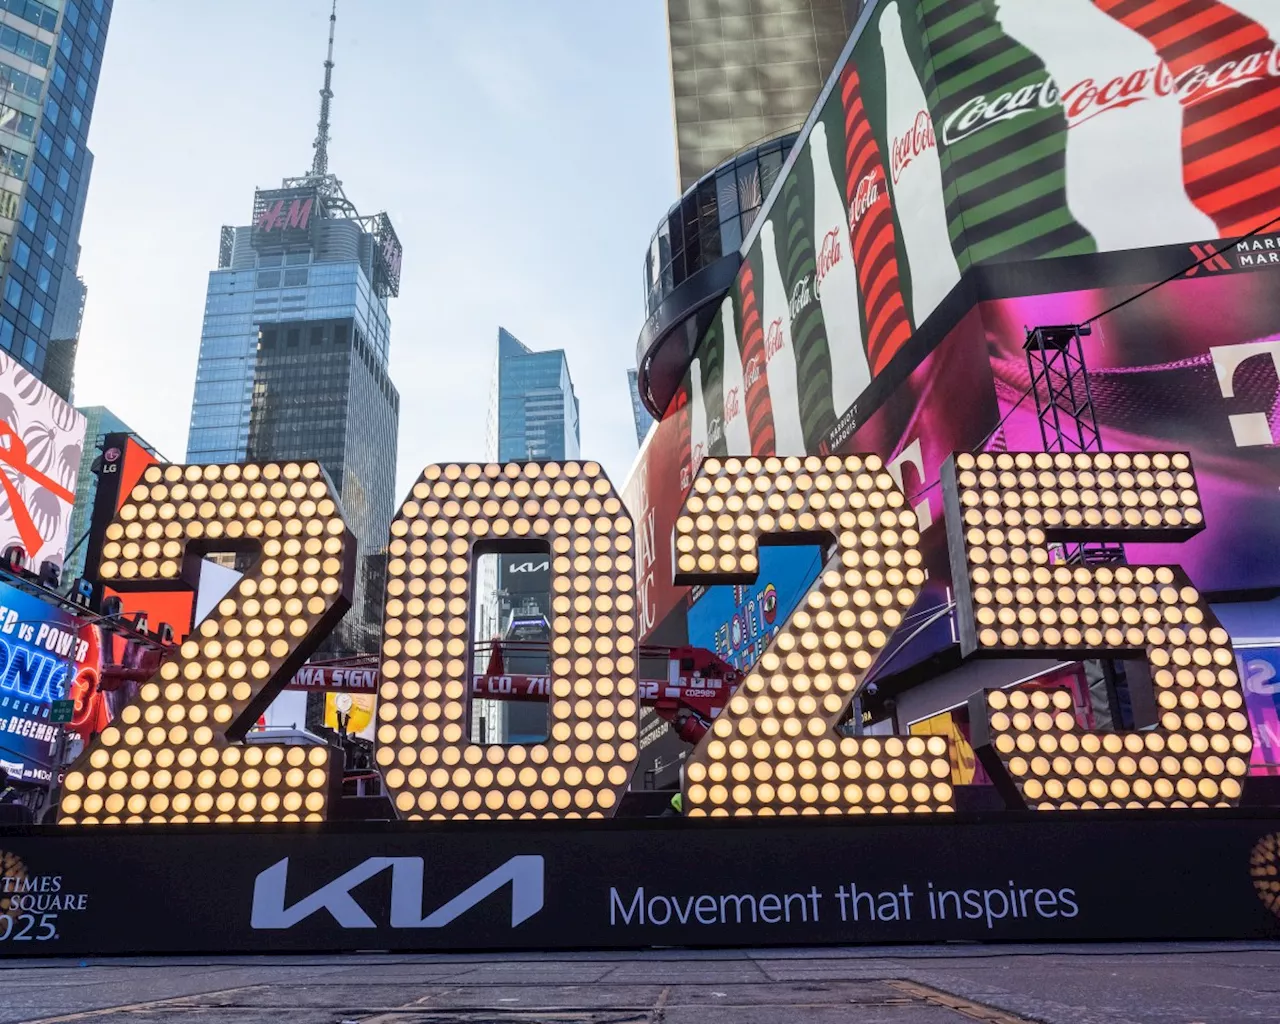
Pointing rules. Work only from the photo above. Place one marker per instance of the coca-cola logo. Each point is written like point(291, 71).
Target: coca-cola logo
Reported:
point(1087, 99)
point(801, 296)
point(906, 148)
point(979, 113)
point(715, 431)
point(751, 372)
point(867, 196)
point(732, 405)
point(773, 340)
point(829, 255)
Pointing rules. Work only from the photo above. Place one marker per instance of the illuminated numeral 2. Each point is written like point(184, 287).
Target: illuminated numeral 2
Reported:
point(775, 750)
point(171, 757)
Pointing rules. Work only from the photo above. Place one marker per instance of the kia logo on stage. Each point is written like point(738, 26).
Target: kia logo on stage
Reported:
point(529, 566)
point(524, 873)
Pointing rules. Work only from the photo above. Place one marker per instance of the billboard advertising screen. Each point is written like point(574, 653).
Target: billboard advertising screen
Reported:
point(41, 441)
point(43, 653)
point(974, 169)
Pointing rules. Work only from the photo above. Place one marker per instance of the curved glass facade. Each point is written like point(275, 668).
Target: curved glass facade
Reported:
point(711, 218)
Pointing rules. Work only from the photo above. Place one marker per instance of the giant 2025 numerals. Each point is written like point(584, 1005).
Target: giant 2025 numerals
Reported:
point(775, 750)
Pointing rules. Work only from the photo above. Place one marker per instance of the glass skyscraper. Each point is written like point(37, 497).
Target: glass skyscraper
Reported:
point(50, 56)
point(533, 411)
point(533, 415)
point(294, 355)
point(642, 416)
point(99, 421)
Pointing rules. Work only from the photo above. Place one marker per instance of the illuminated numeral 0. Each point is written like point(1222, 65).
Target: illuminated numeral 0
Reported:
point(455, 513)
point(1003, 512)
point(170, 757)
point(774, 750)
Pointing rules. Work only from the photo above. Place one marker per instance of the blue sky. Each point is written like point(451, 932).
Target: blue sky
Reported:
point(523, 148)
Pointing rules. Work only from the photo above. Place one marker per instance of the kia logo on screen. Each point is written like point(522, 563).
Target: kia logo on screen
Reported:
point(271, 909)
point(529, 566)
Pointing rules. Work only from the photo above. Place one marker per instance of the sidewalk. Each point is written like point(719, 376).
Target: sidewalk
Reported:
point(1225, 983)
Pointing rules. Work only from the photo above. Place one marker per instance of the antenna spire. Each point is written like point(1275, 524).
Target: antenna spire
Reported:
point(320, 164)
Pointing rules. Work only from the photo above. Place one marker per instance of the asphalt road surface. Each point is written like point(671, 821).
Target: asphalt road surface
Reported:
point(1115, 984)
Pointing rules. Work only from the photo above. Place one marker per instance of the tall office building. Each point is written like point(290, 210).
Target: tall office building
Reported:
point(533, 414)
point(533, 411)
point(745, 70)
point(99, 421)
point(50, 55)
point(642, 416)
point(294, 353)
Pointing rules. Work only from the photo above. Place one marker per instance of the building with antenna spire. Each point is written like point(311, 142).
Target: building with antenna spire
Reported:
point(295, 351)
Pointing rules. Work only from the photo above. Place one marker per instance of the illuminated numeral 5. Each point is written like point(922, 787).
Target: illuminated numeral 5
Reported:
point(1003, 512)
point(774, 749)
point(454, 514)
point(171, 755)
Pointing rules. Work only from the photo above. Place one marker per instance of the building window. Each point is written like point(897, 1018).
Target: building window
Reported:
point(64, 44)
point(29, 216)
point(50, 244)
point(13, 293)
point(45, 145)
point(82, 88)
point(76, 117)
point(25, 46)
point(15, 121)
point(64, 179)
point(295, 278)
point(59, 76)
point(73, 15)
point(37, 315)
point(43, 277)
point(317, 335)
point(269, 279)
point(8, 204)
point(29, 350)
point(6, 333)
point(37, 181)
point(69, 147)
point(292, 337)
point(20, 82)
point(21, 253)
point(51, 110)
point(33, 11)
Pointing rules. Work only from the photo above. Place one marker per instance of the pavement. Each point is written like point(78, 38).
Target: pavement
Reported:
point(1208, 983)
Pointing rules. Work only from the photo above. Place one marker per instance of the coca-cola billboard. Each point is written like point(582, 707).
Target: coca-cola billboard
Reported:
point(978, 167)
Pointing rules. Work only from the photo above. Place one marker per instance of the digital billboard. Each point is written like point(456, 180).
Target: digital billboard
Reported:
point(41, 441)
point(1260, 672)
point(973, 169)
point(43, 653)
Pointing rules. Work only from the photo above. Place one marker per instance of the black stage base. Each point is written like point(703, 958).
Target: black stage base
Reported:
point(562, 885)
